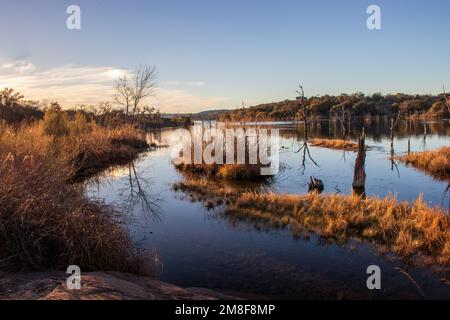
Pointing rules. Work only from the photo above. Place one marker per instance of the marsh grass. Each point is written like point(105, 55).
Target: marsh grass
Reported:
point(224, 170)
point(100, 148)
point(46, 222)
point(413, 231)
point(435, 162)
point(335, 144)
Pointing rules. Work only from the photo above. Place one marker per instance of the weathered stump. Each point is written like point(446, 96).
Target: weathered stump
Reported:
point(359, 177)
point(315, 185)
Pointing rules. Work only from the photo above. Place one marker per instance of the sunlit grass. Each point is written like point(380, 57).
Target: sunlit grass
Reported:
point(436, 162)
point(409, 230)
point(335, 144)
point(47, 222)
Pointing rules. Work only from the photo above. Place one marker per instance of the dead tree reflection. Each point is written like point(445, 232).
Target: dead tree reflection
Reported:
point(138, 198)
point(306, 153)
point(444, 195)
point(394, 123)
point(304, 113)
point(424, 142)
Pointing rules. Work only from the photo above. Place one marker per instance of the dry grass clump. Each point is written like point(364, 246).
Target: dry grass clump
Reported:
point(48, 223)
point(408, 230)
point(436, 162)
point(411, 231)
point(244, 169)
point(212, 195)
point(100, 148)
point(335, 144)
point(224, 171)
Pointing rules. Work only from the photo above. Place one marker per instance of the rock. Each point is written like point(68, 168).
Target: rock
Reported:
point(96, 286)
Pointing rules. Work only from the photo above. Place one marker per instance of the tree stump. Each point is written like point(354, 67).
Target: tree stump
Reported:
point(359, 178)
point(315, 185)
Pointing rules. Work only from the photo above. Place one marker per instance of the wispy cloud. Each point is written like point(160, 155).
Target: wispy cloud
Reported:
point(19, 67)
point(184, 83)
point(73, 85)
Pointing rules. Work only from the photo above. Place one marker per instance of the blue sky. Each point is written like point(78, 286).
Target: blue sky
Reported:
point(218, 53)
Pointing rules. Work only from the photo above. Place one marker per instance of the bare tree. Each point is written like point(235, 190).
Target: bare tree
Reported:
point(124, 93)
point(144, 84)
point(343, 114)
point(132, 92)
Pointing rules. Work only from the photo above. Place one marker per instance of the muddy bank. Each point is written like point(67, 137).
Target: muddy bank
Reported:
point(96, 286)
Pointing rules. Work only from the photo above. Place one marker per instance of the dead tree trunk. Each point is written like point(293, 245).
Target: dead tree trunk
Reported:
point(392, 139)
point(305, 129)
point(359, 178)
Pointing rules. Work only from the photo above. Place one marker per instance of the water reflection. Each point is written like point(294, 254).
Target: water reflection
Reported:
point(137, 197)
point(204, 248)
point(133, 192)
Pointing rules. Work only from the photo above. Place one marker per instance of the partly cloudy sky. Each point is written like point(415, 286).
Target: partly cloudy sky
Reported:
point(74, 85)
point(217, 54)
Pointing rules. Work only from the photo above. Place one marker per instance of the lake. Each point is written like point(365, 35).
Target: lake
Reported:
point(198, 247)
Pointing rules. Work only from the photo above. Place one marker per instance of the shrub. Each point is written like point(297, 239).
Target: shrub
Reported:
point(80, 125)
point(438, 110)
point(56, 122)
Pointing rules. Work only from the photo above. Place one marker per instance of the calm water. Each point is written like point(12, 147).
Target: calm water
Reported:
point(203, 248)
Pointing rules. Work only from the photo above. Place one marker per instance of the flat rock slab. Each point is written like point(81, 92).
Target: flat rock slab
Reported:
point(96, 286)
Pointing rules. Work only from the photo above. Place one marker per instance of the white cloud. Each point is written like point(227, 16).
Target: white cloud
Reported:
point(19, 67)
point(72, 85)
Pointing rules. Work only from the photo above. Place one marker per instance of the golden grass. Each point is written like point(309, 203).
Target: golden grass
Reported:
point(48, 223)
point(411, 231)
point(101, 148)
point(436, 162)
point(335, 144)
point(224, 171)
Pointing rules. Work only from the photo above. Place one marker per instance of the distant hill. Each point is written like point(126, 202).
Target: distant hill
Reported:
point(209, 114)
point(203, 115)
point(431, 106)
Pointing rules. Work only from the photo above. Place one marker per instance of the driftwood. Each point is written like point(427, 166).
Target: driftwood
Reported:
point(315, 185)
point(359, 178)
